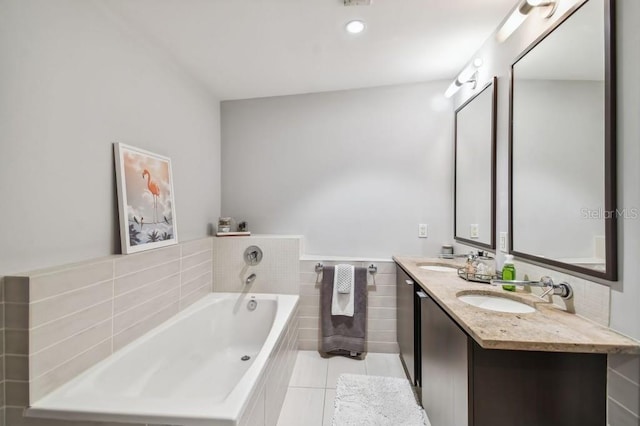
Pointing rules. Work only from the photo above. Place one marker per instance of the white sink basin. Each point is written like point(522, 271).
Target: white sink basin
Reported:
point(438, 268)
point(496, 303)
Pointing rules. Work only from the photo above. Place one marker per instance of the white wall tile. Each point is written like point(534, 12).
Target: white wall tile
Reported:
point(143, 325)
point(63, 328)
point(279, 271)
point(75, 320)
point(205, 279)
point(189, 299)
point(56, 355)
point(141, 294)
point(138, 313)
point(626, 365)
point(381, 305)
point(624, 392)
point(196, 246)
point(196, 259)
point(591, 300)
point(383, 347)
point(52, 284)
point(139, 261)
point(620, 416)
point(135, 280)
point(59, 306)
point(44, 384)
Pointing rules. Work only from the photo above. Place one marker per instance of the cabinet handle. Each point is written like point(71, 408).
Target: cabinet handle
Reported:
point(422, 295)
point(409, 282)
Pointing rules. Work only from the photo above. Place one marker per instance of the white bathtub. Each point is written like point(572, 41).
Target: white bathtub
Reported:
point(188, 371)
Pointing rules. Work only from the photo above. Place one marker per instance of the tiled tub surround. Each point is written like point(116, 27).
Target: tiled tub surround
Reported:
point(189, 370)
point(61, 321)
point(381, 303)
point(278, 272)
point(263, 407)
point(623, 382)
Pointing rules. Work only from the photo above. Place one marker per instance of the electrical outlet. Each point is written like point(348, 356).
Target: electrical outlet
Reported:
point(502, 246)
point(474, 230)
point(422, 230)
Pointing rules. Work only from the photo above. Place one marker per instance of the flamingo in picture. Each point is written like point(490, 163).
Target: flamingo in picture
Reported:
point(155, 191)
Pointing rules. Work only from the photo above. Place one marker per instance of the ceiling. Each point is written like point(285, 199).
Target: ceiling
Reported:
point(243, 49)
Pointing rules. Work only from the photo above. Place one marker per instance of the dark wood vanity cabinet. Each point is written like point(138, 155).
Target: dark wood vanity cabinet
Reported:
point(445, 365)
point(522, 388)
point(407, 324)
point(466, 385)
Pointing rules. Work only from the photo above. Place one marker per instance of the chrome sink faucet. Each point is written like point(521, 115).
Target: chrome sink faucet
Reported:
point(563, 289)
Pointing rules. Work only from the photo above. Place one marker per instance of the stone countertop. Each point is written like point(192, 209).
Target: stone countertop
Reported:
point(548, 329)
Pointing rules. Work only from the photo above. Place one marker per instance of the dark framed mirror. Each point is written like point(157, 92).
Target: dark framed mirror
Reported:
point(475, 169)
point(562, 208)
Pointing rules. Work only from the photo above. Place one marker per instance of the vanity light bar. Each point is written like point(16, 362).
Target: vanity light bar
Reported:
point(468, 75)
point(519, 15)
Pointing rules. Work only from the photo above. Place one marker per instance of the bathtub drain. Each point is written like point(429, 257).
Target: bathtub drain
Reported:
point(246, 358)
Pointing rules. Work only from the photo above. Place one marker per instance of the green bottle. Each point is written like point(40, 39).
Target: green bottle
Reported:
point(508, 273)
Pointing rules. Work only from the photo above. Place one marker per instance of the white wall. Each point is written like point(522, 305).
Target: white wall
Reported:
point(355, 172)
point(74, 79)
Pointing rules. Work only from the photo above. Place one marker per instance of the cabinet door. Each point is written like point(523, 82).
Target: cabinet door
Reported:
point(405, 321)
point(444, 367)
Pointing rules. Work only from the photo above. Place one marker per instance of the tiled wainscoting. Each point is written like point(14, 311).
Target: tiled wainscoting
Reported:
point(278, 272)
point(2, 350)
point(623, 383)
point(264, 406)
point(591, 300)
point(381, 305)
point(61, 321)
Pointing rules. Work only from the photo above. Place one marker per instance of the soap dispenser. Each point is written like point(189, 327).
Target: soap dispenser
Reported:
point(508, 273)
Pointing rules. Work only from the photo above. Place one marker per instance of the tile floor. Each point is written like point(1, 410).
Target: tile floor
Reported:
point(312, 388)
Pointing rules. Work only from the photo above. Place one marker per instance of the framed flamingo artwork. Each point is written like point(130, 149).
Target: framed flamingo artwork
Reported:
point(145, 199)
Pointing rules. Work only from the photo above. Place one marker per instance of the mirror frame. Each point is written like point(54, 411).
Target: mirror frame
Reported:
point(493, 85)
point(610, 181)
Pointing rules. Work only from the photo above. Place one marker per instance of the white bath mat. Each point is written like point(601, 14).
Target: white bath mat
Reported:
point(376, 401)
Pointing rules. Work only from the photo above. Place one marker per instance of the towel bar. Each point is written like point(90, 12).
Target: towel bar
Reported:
point(373, 269)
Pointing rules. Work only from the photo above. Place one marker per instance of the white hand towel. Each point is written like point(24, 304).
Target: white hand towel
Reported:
point(343, 278)
point(342, 303)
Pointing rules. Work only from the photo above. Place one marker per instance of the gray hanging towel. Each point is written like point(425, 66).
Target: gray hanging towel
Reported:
point(343, 334)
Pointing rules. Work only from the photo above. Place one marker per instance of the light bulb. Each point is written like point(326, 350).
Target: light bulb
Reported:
point(355, 27)
point(512, 23)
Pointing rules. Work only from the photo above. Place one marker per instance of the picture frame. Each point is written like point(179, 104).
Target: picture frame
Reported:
point(146, 204)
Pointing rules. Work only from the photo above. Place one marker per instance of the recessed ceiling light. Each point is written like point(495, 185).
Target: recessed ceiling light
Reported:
point(355, 27)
